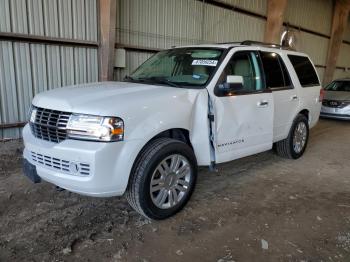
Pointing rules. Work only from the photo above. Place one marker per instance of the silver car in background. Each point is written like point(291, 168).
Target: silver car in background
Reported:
point(336, 102)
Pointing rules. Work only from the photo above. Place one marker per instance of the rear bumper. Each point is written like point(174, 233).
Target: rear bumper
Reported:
point(87, 168)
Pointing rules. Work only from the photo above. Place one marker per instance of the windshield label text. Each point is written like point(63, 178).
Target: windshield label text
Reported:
point(205, 62)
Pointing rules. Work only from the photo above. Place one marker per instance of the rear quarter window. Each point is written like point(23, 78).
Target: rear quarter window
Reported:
point(304, 70)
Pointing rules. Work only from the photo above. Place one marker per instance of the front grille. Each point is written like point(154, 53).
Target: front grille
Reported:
point(64, 166)
point(50, 125)
point(333, 103)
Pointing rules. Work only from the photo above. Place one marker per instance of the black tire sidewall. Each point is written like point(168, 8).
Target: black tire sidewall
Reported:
point(300, 118)
point(146, 203)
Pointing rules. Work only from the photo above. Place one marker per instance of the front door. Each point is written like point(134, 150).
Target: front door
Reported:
point(243, 119)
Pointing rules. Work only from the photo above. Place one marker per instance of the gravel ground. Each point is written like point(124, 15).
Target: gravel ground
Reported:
point(260, 208)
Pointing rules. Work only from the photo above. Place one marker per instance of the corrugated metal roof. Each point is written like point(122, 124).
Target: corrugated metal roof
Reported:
point(256, 6)
point(19, 16)
point(35, 17)
point(315, 46)
point(340, 73)
point(24, 88)
point(65, 16)
point(56, 18)
point(39, 67)
point(67, 65)
point(27, 69)
point(51, 18)
point(159, 23)
point(347, 31)
point(165, 23)
point(314, 15)
point(320, 72)
point(223, 25)
point(344, 56)
point(8, 94)
point(91, 20)
point(5, 21)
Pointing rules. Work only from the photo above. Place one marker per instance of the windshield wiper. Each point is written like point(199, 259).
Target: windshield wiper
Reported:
point(159, 80)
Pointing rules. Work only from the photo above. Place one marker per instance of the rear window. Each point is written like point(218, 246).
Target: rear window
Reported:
point(305, 71)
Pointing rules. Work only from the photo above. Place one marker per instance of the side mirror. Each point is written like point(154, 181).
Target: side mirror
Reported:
point(234, 83)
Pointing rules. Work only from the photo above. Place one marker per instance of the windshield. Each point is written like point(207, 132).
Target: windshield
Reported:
point(339, 86)
point(179, 67)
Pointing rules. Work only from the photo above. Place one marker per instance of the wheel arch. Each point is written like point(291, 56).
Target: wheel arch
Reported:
point(306, 113)
point(180, 134)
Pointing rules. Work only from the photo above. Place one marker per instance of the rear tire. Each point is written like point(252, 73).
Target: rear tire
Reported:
point(295, 144)
point(162, 179)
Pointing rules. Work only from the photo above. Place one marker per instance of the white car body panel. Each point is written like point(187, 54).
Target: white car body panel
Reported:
point(150, 113)
point(286, 107)
point(286, 103)
point(241, 126)
point(146, 116)
point(109, 163)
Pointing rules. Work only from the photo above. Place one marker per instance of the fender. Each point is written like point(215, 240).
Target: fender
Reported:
point(191, 114)
point(200, 133)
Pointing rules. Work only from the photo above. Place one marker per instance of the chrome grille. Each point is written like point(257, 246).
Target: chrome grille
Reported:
point(50, 125)
point(62, 165)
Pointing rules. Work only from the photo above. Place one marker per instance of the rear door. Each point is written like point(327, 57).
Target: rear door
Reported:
point(243, 119)
point(285, 95)
point(308, 81)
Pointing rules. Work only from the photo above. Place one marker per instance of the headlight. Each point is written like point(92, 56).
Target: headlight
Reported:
point(96, 128)
point(32, 115)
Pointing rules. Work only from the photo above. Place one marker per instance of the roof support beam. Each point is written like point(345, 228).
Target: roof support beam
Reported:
point(107, 17)
point(340, 20)
point(274, 23)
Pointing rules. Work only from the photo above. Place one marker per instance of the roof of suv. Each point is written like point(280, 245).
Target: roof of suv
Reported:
point(248, 43)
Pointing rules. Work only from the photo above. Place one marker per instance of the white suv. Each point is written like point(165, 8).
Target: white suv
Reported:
point(184, 107)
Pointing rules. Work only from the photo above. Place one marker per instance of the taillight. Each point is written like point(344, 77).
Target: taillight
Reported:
point(321, 95)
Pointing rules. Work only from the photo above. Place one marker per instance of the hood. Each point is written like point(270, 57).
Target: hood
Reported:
point(111, 98)
point(337, 95)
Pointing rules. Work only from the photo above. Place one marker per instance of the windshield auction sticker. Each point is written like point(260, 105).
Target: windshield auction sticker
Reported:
point(205, 62)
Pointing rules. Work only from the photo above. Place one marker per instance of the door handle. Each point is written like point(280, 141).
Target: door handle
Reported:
point(263, 104)
point(295, 97)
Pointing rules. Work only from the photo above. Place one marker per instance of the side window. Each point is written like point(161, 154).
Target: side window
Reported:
point(276, 73)
point(245, 64)
point(304, 70)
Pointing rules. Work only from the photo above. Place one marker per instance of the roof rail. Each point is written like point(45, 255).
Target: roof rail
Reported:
point(257, 43)
point(228, 43)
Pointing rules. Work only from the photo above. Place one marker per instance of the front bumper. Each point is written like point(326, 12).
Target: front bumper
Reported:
point(335, 116)
point(336, 113)
point(88, 168)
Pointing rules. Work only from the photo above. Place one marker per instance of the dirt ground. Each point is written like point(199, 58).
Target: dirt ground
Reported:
point(260, 208)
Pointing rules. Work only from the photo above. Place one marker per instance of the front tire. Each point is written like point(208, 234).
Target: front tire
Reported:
point(295, 144)
point(162, 179)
